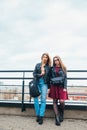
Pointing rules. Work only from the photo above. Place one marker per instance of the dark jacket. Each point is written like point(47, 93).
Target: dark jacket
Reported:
point(61, 74)
point(37, 72)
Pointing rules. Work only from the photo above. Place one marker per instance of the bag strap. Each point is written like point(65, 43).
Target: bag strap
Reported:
point(30, 99)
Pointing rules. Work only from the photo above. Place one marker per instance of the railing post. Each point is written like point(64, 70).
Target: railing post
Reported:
point(22, 107)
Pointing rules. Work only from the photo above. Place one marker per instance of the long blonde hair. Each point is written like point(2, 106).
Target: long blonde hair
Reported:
point(61, 63)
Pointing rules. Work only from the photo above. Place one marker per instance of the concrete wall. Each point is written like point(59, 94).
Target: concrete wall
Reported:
point(70, 114)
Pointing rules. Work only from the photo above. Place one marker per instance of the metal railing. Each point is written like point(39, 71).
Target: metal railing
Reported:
point(9, 79)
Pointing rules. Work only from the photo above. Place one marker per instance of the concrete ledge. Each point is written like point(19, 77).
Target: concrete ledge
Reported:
point(69, 114)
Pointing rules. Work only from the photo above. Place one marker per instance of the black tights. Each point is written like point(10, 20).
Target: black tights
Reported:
point(56, 108)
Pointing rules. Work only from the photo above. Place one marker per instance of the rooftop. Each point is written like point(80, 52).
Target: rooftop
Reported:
point(13, 122)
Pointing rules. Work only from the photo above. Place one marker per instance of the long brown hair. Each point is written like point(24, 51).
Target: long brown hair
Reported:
point(61, 63)
point(49, 59)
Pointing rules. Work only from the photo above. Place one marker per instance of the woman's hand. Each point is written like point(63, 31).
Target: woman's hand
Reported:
point(64, 90)
point(42, 73)
point(48, 91)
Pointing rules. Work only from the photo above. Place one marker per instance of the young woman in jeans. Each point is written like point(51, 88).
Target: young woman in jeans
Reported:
point(41, 73)
point(58, 92)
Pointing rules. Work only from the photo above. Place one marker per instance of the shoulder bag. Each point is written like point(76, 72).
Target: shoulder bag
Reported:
point(57, 80)
point(33, 89)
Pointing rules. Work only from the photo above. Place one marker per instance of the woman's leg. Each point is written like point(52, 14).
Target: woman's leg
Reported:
point(43, 88)
point(55, 108)
point(43, 99)
point(36, 105)
point(61, 110)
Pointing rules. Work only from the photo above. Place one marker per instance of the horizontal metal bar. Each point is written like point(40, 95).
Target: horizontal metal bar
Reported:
point(76, 70)
point(16, 70)
point(78, 94)
point(11, 85)
point(48, 102)
point(27, 78)
point(15, 78)
point(9, 93)
point(5, 85)
point(32, 70)
point(77, 78)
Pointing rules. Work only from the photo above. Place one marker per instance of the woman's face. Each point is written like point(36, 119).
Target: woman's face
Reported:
point(56, 61)
point(45, 58)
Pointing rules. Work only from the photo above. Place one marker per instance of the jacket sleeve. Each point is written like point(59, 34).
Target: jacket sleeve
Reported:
point(65, 81)
point(50, 74)
point(65, 78)
point(35, 72)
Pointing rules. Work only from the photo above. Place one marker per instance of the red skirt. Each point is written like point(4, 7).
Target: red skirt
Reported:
point(58, 93)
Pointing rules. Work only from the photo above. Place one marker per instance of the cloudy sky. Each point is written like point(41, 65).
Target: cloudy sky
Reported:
point(29, 28)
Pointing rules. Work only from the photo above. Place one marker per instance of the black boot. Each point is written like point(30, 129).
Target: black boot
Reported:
point(40, 120)
point(57, 121)
point(61, 117)
point(37, 119)
point(61, 111)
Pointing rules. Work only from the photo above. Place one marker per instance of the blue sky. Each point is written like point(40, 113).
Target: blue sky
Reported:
point(29, 28)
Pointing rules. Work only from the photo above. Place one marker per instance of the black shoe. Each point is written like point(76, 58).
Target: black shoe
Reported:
point(40, 120)
point(57, 121)
point(61, 116)
point(37, 119)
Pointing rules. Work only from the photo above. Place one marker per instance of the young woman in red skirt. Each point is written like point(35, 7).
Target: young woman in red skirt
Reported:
point(58, 92)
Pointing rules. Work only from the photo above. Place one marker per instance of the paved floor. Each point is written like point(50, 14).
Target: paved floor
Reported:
point(28, 123)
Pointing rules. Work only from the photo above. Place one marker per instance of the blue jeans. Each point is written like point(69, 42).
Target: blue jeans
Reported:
point(41, 106)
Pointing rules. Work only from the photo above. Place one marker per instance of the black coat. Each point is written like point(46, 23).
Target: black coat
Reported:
point(37, 72)
point(61, 74)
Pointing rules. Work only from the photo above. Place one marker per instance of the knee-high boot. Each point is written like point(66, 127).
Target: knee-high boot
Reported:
point(61, 111)
point(57, 121)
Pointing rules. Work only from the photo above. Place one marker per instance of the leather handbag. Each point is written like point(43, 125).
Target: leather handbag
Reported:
point(57, 81)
